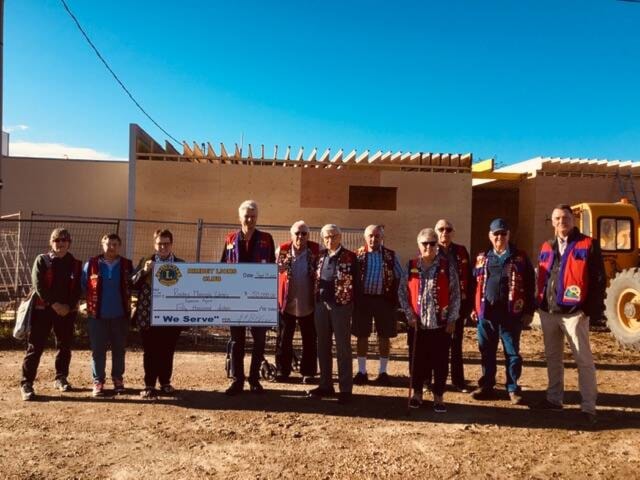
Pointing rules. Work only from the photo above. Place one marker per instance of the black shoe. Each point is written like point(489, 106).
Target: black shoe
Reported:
point(547, 405)
point(27, 392)
point(439, 407)
point(309, 380)
point(361, 379)
point(590, 419)
point(344, 398)
point(234, 388)
point(255, 387)
point(484, 393)
point(415, 402)
point(62, 384)
point(383, 379)
point(281, 378)
point(320, 392)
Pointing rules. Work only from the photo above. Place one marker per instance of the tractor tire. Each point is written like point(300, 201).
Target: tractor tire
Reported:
point(622, 308)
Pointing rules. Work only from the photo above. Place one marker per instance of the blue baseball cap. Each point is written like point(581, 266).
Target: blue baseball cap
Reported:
point(498, 224)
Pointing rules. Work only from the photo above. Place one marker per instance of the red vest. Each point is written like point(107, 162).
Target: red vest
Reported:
point(344, 276)
point(48, 281)
point(262, 252)
point(573, 277)
point(415, 286)
point(517, 265)
point(462, 260)
point(94, 286)
point(389, 280)
point(285, 261)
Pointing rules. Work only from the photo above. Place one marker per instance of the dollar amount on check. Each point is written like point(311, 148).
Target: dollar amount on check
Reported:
point(215, 294)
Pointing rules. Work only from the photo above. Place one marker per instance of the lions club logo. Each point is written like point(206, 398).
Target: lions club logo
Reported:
point(572, 293)
point(168, 275)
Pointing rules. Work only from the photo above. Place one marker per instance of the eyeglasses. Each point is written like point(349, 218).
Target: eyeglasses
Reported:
point(500, 233)
point(163, 244)
point(334, 235)
point(445, 229)
point(301, 234)
point(60, 240)
point(432, 243)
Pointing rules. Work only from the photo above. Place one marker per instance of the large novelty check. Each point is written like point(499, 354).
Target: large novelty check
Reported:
point(215, 294)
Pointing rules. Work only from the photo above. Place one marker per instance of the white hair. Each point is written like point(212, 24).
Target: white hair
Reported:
point(297, 226)
point(373, 228)
point(427, 233)
point(247, 205)
point(330, 227)
point(446, 222)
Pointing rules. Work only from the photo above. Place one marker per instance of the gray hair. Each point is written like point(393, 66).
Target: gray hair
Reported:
point(297, 225)
point(247, 205)
point(446, 222)
point(373, 228)
point(330, 227)
point(427, 233)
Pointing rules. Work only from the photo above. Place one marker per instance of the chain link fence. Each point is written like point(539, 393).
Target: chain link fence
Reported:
point(21, 240)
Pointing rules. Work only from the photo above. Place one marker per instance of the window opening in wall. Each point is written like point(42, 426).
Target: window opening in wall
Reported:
point(372, 198)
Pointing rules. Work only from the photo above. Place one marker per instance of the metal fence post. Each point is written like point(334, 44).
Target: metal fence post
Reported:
point(16, 278)
point(198, 238)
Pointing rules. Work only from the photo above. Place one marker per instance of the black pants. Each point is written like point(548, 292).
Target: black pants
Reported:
point(159, 346)
point(236, 347)
point(284, 347)
point(42, 321)
point(457, 366)
point(431, 355)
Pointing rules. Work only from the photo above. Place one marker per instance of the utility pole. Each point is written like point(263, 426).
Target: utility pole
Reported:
point(1, 88)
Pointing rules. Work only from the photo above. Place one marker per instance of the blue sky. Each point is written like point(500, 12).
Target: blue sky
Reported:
point(512, 79)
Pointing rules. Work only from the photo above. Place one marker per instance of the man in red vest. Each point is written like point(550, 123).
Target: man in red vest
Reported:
point(296, 261)
point(458, 256)
point(380, 274)
point(571, 285)
point(248, 245)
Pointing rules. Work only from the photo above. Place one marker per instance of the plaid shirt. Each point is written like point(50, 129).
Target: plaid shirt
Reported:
point(373, 278)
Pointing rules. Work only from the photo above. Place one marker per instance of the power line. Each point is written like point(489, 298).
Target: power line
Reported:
point(73, 17)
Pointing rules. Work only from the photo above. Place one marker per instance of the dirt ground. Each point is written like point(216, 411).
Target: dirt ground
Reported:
point(201, 433)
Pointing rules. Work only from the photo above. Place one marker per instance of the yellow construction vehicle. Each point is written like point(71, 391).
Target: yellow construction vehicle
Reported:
point(616, 226)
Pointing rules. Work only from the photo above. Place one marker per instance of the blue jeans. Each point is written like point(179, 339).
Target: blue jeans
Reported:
point(500, 327)
point(102, 332)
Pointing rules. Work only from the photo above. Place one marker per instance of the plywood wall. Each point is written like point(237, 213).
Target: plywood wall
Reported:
point(188, 191)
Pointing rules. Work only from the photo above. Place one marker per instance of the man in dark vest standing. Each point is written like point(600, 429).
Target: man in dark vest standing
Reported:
point(380, 274)
point(336, 284)
point(458, 256)
point(571, 285)
point(504, 303)
point(248, 245)
point(296, 261)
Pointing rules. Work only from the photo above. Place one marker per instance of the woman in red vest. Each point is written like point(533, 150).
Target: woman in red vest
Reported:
point(429, 294)
point(106, 281)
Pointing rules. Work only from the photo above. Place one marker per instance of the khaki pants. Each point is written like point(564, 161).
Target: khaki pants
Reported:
point(575, 327)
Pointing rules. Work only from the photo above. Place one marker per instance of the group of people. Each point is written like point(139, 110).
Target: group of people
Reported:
point(333, 293)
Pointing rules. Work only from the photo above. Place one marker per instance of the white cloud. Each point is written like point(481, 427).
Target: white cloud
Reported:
point(16, 128)
point(57, 150)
